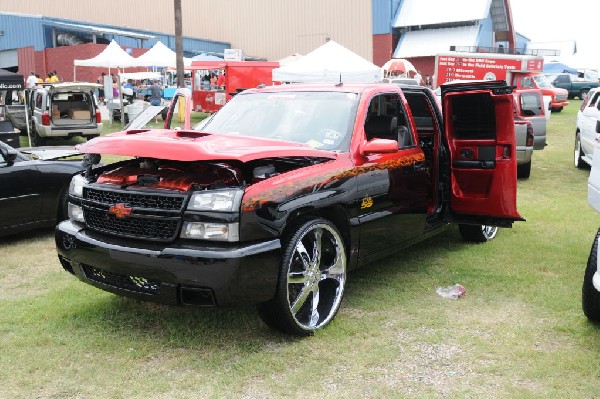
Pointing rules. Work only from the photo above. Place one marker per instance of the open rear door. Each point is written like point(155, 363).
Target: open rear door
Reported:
point(479, 129)
point(182, 103)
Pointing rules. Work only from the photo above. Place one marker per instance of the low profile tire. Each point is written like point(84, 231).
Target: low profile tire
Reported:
point(524, 171)
point(578, 153)
point(590, 297)
point(311, 281)
point(477, 233)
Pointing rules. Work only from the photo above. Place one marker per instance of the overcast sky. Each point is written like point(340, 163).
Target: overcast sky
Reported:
point(558, 20)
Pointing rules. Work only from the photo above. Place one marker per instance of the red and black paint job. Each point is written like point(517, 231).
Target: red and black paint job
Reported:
point(380, 195)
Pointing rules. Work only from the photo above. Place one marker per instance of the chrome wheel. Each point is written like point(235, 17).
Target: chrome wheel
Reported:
point(311, 281)
point(577, 153)
point(489, 232)
point(316, 274)
point(477, 233)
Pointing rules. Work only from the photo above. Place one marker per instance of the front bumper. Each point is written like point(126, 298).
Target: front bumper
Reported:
point(181, 274)
point(559, 104)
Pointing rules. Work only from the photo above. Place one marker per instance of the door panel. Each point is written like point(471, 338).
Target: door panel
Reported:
point(19, 201)
point(479, 128)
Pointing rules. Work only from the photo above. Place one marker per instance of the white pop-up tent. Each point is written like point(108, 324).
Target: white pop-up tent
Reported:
point(330, 62)
point(160, 56)
point(113, 56)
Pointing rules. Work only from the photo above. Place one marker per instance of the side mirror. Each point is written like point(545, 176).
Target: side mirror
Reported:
point(10, 155)
point(380, 146)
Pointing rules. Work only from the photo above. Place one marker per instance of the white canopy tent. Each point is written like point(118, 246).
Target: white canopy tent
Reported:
point(113, 56)
point(160, 56)
point(330, 62)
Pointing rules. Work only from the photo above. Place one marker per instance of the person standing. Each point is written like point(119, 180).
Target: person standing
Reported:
point(31, 81)
point(155, 93)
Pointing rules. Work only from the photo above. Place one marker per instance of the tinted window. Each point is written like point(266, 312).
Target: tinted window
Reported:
point(531, 104)
point(473, 116)
point(323, 120)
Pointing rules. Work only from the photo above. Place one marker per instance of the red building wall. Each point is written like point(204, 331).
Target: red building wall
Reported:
point(60, 59)
point(425, 66)
point(383, 48)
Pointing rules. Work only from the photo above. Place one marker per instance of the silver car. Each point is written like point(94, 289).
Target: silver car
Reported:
point(64, 110)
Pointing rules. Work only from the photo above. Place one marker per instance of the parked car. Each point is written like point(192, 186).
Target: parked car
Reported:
point(64, 110)
point(530, 106)
point(590, 293)
point(34, 185)
point(524, 136)
point(535, 80)
point(587, 129)
point(574, 85)
point(287, 188)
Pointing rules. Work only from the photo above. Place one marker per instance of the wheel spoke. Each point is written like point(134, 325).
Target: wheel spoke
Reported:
point(297, 277)
point(300, 299)
point(316, 258)
point(314, 316)
point(335, 271)
point(303, 253)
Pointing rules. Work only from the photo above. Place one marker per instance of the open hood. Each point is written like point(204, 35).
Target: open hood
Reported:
point(50, 153)
point(186, 145)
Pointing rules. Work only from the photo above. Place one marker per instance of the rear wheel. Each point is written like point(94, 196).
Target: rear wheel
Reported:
point(557, 109)
point(583, 93)
point(590, 297)
point(311, 282)
point(578, 153)
point(523, 171)
point(36, 139)
point(477, 233)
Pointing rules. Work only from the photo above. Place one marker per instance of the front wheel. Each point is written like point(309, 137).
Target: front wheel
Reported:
point(311, 282)
point(477, 233)
point(590, 297)
point(578, 153)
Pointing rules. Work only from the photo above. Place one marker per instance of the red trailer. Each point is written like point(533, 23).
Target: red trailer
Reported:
point(238, 76)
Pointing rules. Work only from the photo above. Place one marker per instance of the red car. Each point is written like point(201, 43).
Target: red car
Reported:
point(287, 188)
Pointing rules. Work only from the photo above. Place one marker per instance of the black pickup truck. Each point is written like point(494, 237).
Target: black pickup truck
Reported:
point(285, 189)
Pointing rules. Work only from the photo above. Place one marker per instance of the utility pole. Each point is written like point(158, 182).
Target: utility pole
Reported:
point(179, 44)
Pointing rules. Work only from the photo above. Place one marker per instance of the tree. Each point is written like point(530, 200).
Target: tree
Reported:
point(179, 44)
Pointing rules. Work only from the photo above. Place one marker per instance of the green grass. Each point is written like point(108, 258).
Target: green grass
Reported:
point(519, 331)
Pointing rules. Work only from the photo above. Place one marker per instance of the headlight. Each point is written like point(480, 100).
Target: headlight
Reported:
point(211, 231)
point(216, 200)
point(76, 186)
point(76, 213)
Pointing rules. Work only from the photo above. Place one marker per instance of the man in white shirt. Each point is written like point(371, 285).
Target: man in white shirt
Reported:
point(31, 81)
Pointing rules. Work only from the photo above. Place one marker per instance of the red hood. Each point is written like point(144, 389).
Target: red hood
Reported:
point(182, 145)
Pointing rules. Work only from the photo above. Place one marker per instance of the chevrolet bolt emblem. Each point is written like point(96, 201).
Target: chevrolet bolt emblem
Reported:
point(119, 210)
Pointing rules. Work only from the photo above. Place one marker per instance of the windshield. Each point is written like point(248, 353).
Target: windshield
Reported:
point(542, 82)
point(323, 120)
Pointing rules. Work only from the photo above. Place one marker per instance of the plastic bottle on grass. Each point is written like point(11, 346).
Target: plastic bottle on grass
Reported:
point(452, 291)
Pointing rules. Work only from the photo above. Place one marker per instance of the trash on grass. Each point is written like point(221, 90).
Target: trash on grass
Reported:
point(452, 291)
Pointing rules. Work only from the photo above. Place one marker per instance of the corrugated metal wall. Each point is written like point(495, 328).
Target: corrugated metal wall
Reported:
point(265, 28)
point(18, 33)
